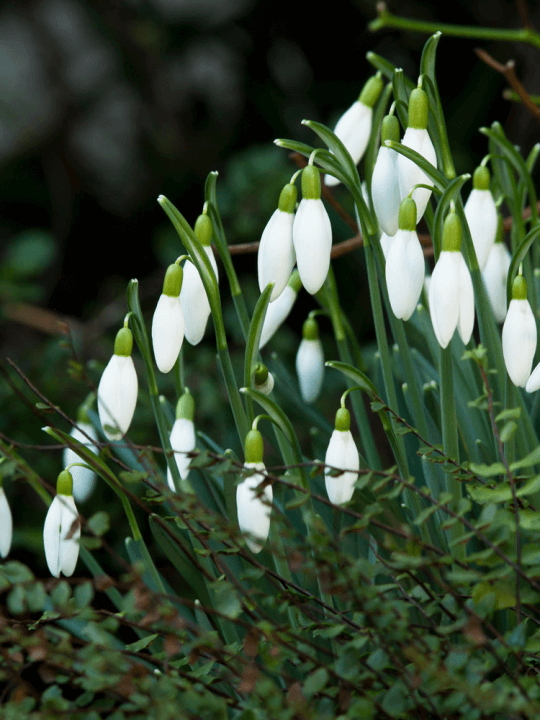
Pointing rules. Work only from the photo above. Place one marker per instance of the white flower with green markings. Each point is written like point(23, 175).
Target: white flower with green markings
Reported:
point(168, 321)
point(343, 455)
point(310, 362)
point(6, 523)
point(481, 214)
point(385, 190)
point(276, 257)
point(519, 335)
point(254, 495)
point(278, 311)
point(62, 529)
point(118, 387)
point(183, 439)
point(495, 275)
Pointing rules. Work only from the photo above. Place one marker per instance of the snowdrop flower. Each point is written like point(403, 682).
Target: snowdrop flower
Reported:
point(495, 275)
point(385, 181)
point(310, 362)
point(312, 233)
point(451, 297)
point(84, 479)
point(354, 126)
point(183, 439)
point(6, 523)
point(481, 215)
point(193, 296)
point(342, 454)
point(168, 321)
point(417, 138)
point(263, 380)
point(519, 335)
point(276, 257)
point(62, 529)
point(405, 267)
point(254, 505)
point(278, 311)
point(117, 391)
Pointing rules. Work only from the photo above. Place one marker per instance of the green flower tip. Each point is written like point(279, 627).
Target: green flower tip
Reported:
point(343, 420)
point(287, 198)
point(64, 484)
point(390, 129)
point(371, 91)
point(261, 373)
point(481, 178)
point(407, 214)
point(203, 230)
point(123, 345)
point(254, 447)
point(452, 233)
point(311, 183)
point(310, 329)
point(185, 407)
point(519, 288)
point(418, 109)
point(173, 280)
point(294, 281)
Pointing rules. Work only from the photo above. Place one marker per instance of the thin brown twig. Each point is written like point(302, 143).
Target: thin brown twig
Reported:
point(523, 11)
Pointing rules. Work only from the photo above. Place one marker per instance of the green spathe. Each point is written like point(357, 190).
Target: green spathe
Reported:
point(173, 280)
point(123, 344)
point(519, 288)
point(418, 109)
point(310, 329)
point(407, 214)
point(203, 230)
point(343, 420)
point(261, 373)
point(452, 233)
point(254, 450)
point(371, 91)
point(390, 129)
point(311, 183)
point(185, 407)
point(287, 198)
point(64, 484)
point(481, 178)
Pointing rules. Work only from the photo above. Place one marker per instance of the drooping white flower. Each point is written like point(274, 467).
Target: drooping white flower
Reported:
point(278, 311)
point(254, 505)
point(519, 335)
point(62, 529)
point(312, 233)
point(341, 454)
point(168, 321)
point(84, 479)
point(310, 362)
point(481, 214)
point(385, 180)
point(405, 267)
point(182, 437)
point(276, 256)
point(6, 524)
point(417, 138)
point(117, 391)
point(263, 380)
point(451, 296)
point(193, 296)
point(495, 275)
point(354, 126)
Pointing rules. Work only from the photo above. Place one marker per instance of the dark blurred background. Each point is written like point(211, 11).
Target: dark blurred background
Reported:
point(105, 105)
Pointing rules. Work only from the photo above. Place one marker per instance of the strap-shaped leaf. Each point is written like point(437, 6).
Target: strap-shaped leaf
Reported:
point(434, 175)
point(254, 334)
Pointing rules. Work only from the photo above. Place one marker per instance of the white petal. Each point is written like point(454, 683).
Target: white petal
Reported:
point(443, 296)
point(117, 396)
point(353, 129)
point(70, 532)
point(51, 536)
point(466, 302)
point(533, 383)
point(6, 525)
point(276, 257)
point(194, 300)
point(386, 243)
point(276, 314)
point(312, 236)
point(182, 441)
point(310, 369)
point(385, 190)
point(519, 341)
point(495, 275)
point(167, 331)
point(254, 512)
point(84, 479)
point(410, 174)
point(342, 454)
point(481, 215)
point(404, 273)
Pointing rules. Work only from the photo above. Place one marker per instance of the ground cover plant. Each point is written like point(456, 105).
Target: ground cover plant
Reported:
point(358, 536)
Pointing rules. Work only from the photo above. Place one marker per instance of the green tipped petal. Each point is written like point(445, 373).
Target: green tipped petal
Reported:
point(343, 420)
point(310, 329)
point(203, 230)
point(519, 288)
point(452, 233)
point(173, 280)
point(64, 484)
point(287, 198)
point(481, 178)
point(418, 109)
point(390, 129)
point(185, 407)
point(311, 183)
point(371, 91)
point(254, 449)
point(407, 214)
point(123, 345)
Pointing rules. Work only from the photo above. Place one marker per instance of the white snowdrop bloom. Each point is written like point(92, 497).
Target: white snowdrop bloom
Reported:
point(494, 276)
point(310, 362)
point(168, 321)
point(62, 529)
point(385, 180)
point(386, 243)
point(193, 297)
point(276, 257)
point(481, 214)
point(117, 391)
point(519, 335)
point(254, 507)
point(417, 138)
point(405, 267)
point(451, 296)
point(533, 383)
point(278, 311)
point(354, 126)
point(182, 437)
point(6, 524)
point(84, 479)
point(341, 454)
point(263, 380)
point(312, 233)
